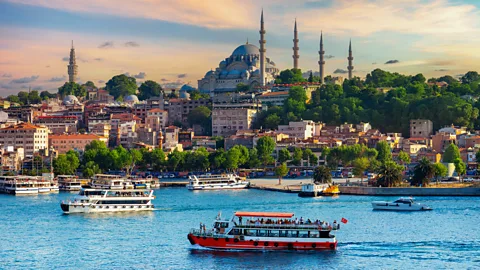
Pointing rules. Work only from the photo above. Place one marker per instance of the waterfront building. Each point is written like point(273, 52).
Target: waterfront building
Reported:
point(421, 128)
point(77, 142)
point(204, 141)
point(58, 124)
point(11, 159)
point(230, 117)
point(30, 137)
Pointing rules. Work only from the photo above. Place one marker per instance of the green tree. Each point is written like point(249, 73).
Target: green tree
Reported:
point(121, 85)
point(149, 89)
point(200, 115)
point(281, 171)
point(66, 164)
point(196, 95)
point(297, 156)
point(460, 167)
point(72, 88)
point(322, 175)
point(283, 155)
point(423, 172)
point(156, 159)
point(232, 159)
point(469, 77)
point(272, 121)
point(290, 76)
point(359, 166)
point(90, 169)
point(44, 95)
point(439, 170)
point(14, 99)
point(175, 160)
point(265, 147)
point(254, 161)
point(90, 84)
point(310, 77)
point(384, 151)
point(242, 88)
point(404, 158)
point(451, 153)
point(389, 174)
point(218, 159)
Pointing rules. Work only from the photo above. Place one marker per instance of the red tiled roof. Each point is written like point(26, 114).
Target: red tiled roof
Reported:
point(24, 125)
point(269, 94)
point(157, 110)
point(74, 136)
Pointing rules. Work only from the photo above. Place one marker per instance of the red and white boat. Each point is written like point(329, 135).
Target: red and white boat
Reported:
point(265, 231)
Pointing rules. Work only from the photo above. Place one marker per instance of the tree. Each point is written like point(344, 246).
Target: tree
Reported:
point(44, 95)
point(290, 76)
point(175, 159)
point(322, 175)
point(90, 84)
point(34, 98)
point(451, 153)
point(72, 88)
point(121, 85)
point(272, 121)
point(439, 170)
point(281, 171)
point(265, 147)
point(404, 158)
point(242, 88)
point(423, 172)
point(232, 159)
point(90, 169)
point(384, 151)
point(297, 156)
point(156, 159)
point(389, 174)
point(283, 155)
point(469, 77)
point(359, 166)
point(460, 167)
point(200, 115)
point(310, 157)
point(149, 89)
point(196, 95)
point(66, 163)
point(310, 77)
point(218, 159)
point(13, 99)
point(253, 161)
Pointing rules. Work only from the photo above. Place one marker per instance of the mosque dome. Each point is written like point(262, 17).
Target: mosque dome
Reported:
point(246, 49)
point(131, 99)
point(223, 74)
point(222, 64)
point(184, 94)
point(209, 73)
point(70, 99)
point(234, 74)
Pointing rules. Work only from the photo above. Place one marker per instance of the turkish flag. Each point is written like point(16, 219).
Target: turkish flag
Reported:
point(344, 220)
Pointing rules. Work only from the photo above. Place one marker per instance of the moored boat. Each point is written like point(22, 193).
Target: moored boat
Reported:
point(314, 190)
point(265, 231)
point(69, 183)
point(97, 201)
point(110, 181)
point(402, 204)
point(19, 185)
point(210, 182)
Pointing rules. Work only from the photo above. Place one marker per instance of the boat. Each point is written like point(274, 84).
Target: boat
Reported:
point(69, 183)
point(145, 183)
point(45, 186)
point(210, 182)
point(99, 201)
point(110, 181)
point(402, 204)
point(314, 190)
point(19, 185)
point(265, 231)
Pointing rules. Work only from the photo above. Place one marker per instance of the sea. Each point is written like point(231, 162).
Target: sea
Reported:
point(35, 234)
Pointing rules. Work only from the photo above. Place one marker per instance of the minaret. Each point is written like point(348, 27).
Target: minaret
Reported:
point(350, 61)
point(72, 66)
point(321, 63)
point(295, 46)
point(262, 50)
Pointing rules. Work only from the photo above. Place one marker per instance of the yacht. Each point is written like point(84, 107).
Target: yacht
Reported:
point(402, 204)
point(19, 185)
point(209, 182)
point(110, 181)
point(98, 201)
point(265, 231)
point(69, 183)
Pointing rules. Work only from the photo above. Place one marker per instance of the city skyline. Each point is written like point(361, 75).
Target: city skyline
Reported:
point(177, 43)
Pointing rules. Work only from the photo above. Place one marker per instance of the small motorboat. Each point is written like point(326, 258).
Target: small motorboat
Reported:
point(402, 204)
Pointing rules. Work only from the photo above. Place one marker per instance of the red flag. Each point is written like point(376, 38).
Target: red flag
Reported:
point(344, 220)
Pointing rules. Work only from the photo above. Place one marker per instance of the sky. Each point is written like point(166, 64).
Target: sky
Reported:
point(175, 42)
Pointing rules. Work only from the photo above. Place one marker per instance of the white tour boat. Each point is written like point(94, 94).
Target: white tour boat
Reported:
point(110, 181)
point(144, 183)
point(209, 182)
point(402, 204)
point(69, 183)
point(19, 185)
point(100, 201)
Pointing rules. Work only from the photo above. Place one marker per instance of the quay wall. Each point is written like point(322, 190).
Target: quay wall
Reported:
point(383, 191)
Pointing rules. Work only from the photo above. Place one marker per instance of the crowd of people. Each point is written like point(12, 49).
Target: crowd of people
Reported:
point(296, 221)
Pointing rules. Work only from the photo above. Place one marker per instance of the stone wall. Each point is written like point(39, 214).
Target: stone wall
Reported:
point(377, 191)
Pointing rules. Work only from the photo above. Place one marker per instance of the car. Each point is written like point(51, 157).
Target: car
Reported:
point(470, 179)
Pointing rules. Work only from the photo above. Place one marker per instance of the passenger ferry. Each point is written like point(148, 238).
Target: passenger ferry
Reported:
point(110, 181)
point(209, 182)
point(314, 190)
point(265, 231)
point(145, 183)
point(98, 201)
point(69, 183)
point(46, 186)
point(19, 185)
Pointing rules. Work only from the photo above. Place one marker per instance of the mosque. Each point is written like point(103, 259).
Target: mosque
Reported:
point(249, 65)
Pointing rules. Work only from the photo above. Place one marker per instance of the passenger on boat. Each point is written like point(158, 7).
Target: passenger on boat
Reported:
point(240, 220)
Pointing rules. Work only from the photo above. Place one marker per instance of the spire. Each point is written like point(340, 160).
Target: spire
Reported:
point(72, 66)
point(247, 41)
point(295, 46)
point(262, 51)
point(350, 61)
point(321, 62)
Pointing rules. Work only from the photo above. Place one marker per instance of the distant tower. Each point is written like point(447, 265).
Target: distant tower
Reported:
point(295, 46)
point(262, 50)
point(321, 63)
point(72, 66)
point(350, 61)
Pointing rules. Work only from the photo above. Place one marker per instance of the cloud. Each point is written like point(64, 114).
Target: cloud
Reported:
point(98, 59)
point(106, 45)
point(101, 81)
point(374, 63)
point(58, 79)
point(25, 79)
point(131, 44)
point(37, 88)
point(6, 75)
point(442, 70)
point(127, 74)
point(329, 56)
point(163, 80)
point(340, 71)
point(47, 66)
point(183, 75)
point(391, 62)
point(66, 59)
point(140, 75)
point(9, 86)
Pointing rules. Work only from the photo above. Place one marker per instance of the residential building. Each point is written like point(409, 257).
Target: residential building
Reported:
point(185, 138)
point(472, 141)
point(442, 140)
point(171, 139)
point(77, 142)
point(98, 118)
point(101, 129)
point(203, 141)
point(414, 145)
point(11, 159)
point(58, 124)
point(302, 129)
point(156, 119)
point(30, 137)
point(272, 99)
point(178, 109)
point(421, 128)
point(230, 117)
point(127, 134)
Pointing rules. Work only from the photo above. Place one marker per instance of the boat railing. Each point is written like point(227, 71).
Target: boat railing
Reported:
point(210, 233)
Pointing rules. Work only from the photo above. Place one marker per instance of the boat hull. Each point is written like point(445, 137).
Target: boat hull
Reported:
point(88, 208)
point(22, 191)
point(399, 207)
point(315, 194)
point(231, 243)
point(216, 187)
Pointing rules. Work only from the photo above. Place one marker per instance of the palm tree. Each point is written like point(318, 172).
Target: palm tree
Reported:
point(322, 175)
point(423, 172)
point(389, 174)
